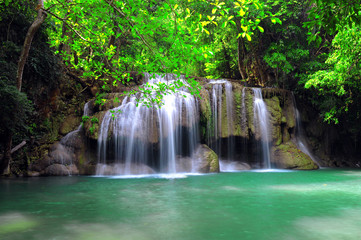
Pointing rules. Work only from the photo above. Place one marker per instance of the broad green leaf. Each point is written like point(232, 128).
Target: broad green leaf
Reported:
point(242, 12)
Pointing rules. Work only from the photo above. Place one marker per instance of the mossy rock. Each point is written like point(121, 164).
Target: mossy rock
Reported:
point(111, 100)
point(288, 156)
point(206, 160)
point(288, 112)
point(92, 127)
point(275, 118)
point(69, 124)
point(205, 108)
point(249, 99)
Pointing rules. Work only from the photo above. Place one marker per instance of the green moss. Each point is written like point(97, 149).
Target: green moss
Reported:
point(69, 124)
point(288, 156)
point(237, 98)
point(212, 160)
point(289, 113)
point(249, 99)
point(92, 125)
point(205, 112)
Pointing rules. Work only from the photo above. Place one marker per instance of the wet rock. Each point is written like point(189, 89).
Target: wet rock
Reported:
point(60, 155)
point(73, 170)
point(234, 166)
point(184, 164)
point(288, 156)
point(275, 118)
point(205, 160)
point(57, 170)
point(33, 174)
point(69, 124)
point(121, 169)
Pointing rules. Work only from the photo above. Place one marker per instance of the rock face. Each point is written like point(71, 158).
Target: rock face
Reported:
point(69, 124)
point(224, 118)
point(288, 156)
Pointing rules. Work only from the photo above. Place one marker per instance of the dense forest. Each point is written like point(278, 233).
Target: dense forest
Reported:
point(84, 49)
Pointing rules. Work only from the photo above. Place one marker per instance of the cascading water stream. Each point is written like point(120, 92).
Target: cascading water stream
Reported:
point(63, 152)
point(146, 139)
point(300, 135)
point(215, 134)
point(262, 126)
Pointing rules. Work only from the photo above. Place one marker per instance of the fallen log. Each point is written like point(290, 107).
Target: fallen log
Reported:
point(17, 147)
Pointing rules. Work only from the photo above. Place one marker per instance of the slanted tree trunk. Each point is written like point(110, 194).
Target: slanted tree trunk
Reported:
point(27, 43)
point(4, 164)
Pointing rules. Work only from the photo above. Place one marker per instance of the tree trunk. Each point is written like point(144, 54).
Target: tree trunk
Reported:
point(27, 43)
point(241, 54)
point(4, 164)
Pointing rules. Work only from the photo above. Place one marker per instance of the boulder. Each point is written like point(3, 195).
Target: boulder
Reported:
point(73, 170)
point(234, 166)
point(120, 169)
point(205, 160)
point(288, 156)
point(60, 155)
point(57, 170)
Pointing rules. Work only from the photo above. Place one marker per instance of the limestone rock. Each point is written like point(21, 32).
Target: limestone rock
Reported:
point(275, 118)
point(70, 123)
point(120, 169)
point(234, 166)
point(288, 156)
point(57, 170)
point(60, 155)
point(73, 170)
point(206, 161)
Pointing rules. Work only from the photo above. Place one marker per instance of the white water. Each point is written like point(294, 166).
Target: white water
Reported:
point(149, 139)
point(221, 90)
point(262, 126)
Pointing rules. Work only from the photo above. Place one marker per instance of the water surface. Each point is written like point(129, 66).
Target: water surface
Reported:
point(324, 204)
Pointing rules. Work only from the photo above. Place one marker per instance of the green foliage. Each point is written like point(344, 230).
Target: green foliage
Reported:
point(331, 16)
point(84, 119)
point(40, 77)
point(342, 76)
point(15, 109)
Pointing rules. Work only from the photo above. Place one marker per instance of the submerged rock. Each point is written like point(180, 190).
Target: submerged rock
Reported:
point(288, 156)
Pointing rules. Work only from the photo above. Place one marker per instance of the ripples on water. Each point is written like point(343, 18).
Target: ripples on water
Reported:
point(269, 204)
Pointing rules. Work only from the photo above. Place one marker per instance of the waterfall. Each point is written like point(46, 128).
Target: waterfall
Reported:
point(262, 127)
point(301, 139)
point(63, 152)
point(230, 117)
point(221, 89)
point(144, 140)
